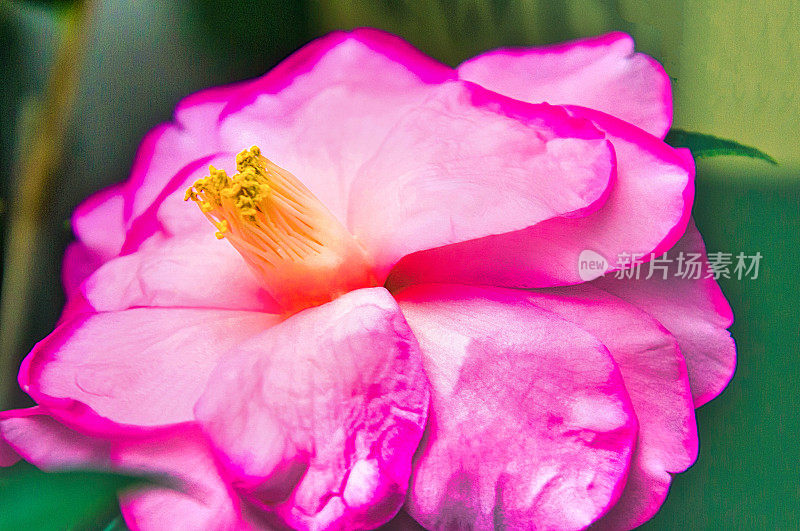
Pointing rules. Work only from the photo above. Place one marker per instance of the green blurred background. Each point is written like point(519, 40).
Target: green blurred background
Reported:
point(735, 67)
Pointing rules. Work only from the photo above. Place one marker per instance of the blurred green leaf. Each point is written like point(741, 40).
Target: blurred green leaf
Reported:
point(32, 499)
point(710, 146)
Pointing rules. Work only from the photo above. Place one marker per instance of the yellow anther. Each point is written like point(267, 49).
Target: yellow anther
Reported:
point(222, 228)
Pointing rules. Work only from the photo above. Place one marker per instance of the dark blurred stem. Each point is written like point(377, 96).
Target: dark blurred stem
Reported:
point(36, 168)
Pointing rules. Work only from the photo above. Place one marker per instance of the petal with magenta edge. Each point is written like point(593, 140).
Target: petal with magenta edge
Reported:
point(655, 376)
point(203, 501)
point(694, 311)
point(326, 109)
point(600, 73)
point(193, 271)
point(41, 440)
point(530, 423)
point(123, 372)
point(316, 420)
point(646, 211)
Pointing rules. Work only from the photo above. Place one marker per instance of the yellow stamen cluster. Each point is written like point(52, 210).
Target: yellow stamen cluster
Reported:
point(262, 204)
point(289, 238)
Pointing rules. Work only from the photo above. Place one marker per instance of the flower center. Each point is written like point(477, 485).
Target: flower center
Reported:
point(302, 253)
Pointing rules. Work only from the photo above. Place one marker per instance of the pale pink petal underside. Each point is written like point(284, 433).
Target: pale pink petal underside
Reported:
point(98, 222)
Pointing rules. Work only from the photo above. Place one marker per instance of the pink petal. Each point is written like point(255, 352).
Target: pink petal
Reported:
point(172, 215)
point(99, 227)
point(379, 91)
point(39, 439)
point(203, 109)
point(359, 61)
point(163, 153)
point(344, 57)
point(326, 109)
point(138, 368)
point(98, 222)
point(155, 221)
point(79, 263)
point(166, 150)
point(496, 166)
point(601, 73)
point(531, 426)
point(317, 419)
point(655, 376)
point(694, 311)
point(8, 456)
point(197, 271)
point(116, 219)
point(204, 502)
point(647, 210)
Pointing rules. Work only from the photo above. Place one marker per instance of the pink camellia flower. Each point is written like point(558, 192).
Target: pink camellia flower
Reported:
point(381, 307)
